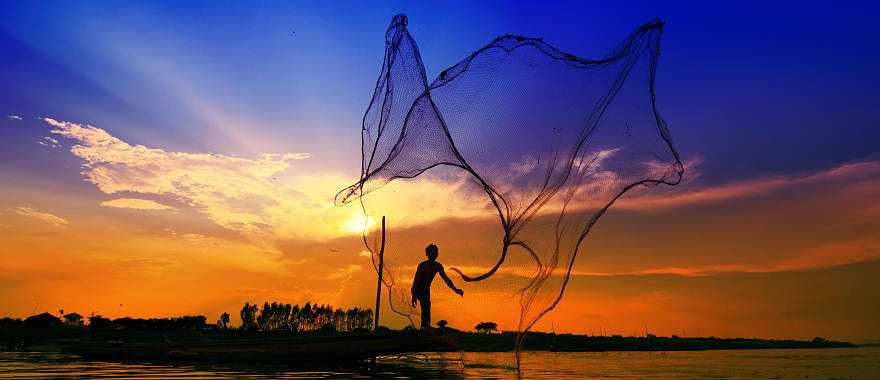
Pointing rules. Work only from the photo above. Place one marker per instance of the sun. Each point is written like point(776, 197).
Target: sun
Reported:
point(358, 224)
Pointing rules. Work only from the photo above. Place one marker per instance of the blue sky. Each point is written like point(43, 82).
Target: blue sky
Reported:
point(750, 88)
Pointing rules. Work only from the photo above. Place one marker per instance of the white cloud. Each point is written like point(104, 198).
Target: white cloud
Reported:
point(13, 117)
point(245, 195)
point(42, 216)
point(135, 203)
point(50, 142)
point(239, 194)
point(235, 193)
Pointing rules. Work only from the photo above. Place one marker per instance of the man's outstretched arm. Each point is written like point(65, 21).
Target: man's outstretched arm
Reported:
point(448, 281)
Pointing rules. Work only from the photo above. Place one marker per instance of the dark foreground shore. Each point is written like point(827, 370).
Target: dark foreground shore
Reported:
point(48, 339)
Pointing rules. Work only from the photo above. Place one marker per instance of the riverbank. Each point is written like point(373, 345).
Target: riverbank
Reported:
point(47, 340)
point(538, 341)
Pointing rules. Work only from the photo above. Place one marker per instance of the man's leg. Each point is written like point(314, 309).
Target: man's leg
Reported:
point(425, 302)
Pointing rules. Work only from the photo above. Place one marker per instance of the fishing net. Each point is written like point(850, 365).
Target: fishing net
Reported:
point(513, 155)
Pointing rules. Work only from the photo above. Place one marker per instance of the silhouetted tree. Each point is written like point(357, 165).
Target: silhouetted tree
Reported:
point(367, 319)
point(307, 317)
point(98, 323)
point(223, 322)
point(294, 318)
point(248, 317)
point(263, 317)
point(486, 327)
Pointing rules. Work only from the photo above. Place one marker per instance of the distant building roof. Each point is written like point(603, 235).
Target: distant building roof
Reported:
point(72, 316)
point(43, 319)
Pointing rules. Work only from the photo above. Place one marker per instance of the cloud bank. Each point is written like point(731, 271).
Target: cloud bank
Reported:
point(236, 193)
point(255, 197)
point(247, 196)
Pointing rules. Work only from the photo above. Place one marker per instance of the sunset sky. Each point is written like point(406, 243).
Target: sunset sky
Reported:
point(160, 159)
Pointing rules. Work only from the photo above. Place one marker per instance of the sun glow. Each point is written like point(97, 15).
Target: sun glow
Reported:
point(358, 224)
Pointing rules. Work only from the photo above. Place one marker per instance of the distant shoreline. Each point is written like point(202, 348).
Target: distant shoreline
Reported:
point(538, 341)
point(16, 335)
point(505, 342)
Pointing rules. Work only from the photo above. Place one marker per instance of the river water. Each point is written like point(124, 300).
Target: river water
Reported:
point(842, 363)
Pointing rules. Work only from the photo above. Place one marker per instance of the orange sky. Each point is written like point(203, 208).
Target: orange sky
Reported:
point(147, 232)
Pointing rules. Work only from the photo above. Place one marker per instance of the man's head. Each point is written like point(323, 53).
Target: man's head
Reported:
point(432, 251)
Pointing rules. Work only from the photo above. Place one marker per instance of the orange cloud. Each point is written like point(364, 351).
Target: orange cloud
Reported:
point(46, 217)
point(136, 204)
point(825, 256)
point(684, 196)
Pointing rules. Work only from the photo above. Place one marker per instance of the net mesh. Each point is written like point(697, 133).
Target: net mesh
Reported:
point(536, 141)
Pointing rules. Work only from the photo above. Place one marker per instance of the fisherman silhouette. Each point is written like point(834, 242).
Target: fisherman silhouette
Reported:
point(421, 287)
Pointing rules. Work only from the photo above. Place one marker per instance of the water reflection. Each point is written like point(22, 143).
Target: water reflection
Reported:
point(36, 365)
point(844, 363)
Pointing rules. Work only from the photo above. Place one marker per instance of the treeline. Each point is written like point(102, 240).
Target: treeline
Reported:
point(185, 323)
point(18, 335)
point(309, 317)
point(270, 319)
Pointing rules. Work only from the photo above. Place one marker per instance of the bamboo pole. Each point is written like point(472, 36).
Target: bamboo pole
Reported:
point(379, 283)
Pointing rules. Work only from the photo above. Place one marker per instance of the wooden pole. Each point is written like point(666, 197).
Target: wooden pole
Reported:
point(379, 283)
